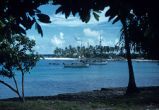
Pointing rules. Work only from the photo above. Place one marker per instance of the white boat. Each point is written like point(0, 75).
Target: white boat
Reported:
point(99, 63)
point(76, 65)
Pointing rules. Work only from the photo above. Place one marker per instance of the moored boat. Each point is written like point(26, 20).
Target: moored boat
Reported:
point(76, 65)
point(99, 63)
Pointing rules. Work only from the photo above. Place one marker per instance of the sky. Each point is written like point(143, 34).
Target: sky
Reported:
point(63, 32)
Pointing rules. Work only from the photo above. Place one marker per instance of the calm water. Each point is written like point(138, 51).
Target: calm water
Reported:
point(46, 79)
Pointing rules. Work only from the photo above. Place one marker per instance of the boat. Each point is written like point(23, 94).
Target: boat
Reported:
point(54, 64)
point(79, 63)
point(99, 63)
point(76, 65)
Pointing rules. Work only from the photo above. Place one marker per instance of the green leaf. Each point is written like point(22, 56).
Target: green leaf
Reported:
point(96, 16)
point(67, 13)
point(85, 15)
point(111, 13)
point(18, 29)
point(22, 30)
point(111, 17)
point(38, 11)
point(27, 22)
point(87, 18)
point(108, 13)
point(43, 18)
point(74, 12)
point(116, 20)
point(60, 9)
point(39, 29)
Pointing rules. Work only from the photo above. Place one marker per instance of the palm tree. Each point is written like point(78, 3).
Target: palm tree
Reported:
point(131, 84)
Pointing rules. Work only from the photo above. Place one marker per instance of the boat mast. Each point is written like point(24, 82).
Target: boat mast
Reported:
point(100, 41)
point(100, 45)
point(78, 39)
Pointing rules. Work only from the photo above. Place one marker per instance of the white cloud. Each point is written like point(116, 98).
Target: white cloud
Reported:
point(91, 33)
point(58, 41)
point(60, 20)
point(71, 21)
point(61, 35)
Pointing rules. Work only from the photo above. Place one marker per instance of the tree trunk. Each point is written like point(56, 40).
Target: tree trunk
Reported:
point(23, 98)
point(131, 84)
point(21, 69)
point(9, 86)
point(17, 87)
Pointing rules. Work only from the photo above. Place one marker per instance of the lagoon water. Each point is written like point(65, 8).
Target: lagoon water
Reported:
point(48, 79)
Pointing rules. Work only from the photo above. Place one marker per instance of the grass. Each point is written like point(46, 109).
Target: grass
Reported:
point(73, 105)
point(146, 100)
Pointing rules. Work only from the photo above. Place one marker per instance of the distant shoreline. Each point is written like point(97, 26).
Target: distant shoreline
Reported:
point(62, 58)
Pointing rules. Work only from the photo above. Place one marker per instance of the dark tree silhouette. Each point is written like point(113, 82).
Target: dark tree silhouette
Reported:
point(17, 16)
point(20, 15)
